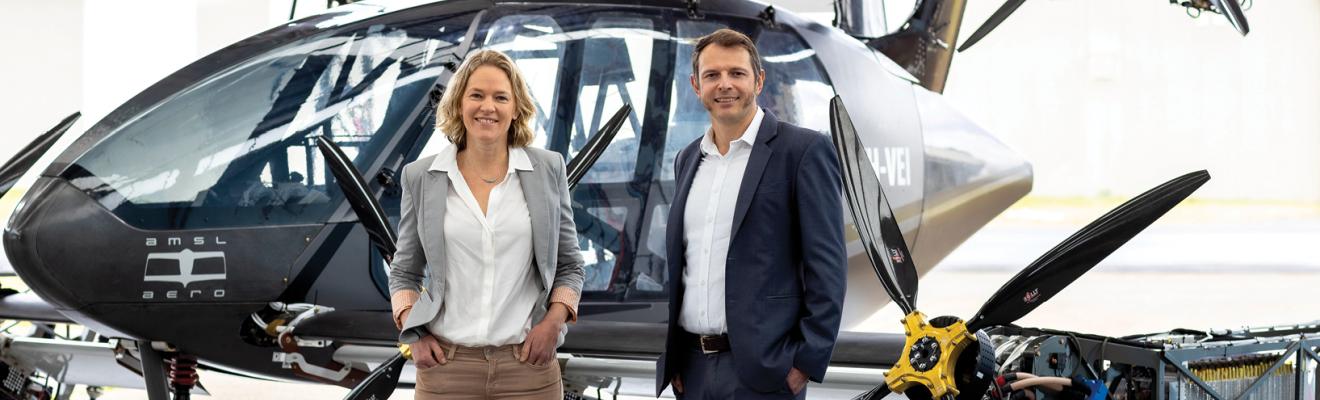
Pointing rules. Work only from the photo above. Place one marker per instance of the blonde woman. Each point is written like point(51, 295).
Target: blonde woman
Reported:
point(490, 219)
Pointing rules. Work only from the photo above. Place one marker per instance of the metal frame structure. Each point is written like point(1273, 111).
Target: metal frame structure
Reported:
point(1169, 356)
point(1301, 348)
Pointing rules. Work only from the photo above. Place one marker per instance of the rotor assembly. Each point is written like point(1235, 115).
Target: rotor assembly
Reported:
point(937, 350)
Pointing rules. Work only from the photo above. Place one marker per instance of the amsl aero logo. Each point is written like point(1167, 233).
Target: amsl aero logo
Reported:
point(196, 270)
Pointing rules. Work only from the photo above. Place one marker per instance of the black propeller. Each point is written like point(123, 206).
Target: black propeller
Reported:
point(1026, 291)
point(990, 24)
point(872, 214)
point(578, 166)
point(380, 384)
point(876, 393)
point(1233, 11)
point(25, 158)
point(1230, 8)
point(1067, 261)
point(359, 196)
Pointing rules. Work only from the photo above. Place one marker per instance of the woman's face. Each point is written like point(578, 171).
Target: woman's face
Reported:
point(488, 106)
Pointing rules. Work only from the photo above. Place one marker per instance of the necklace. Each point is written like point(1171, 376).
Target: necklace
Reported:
point(489, 181)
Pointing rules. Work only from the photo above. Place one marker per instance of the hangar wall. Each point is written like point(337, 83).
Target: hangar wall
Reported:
point(41, 79)
point(92, 55)
point(1105, 98)
point(1111, 98)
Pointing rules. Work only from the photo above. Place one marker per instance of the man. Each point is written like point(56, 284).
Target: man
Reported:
point(755, 243)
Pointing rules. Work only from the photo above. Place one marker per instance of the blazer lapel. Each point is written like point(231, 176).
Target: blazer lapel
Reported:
point(755, 168)
point(431, 214)
point(536, 191)
point(686, 172)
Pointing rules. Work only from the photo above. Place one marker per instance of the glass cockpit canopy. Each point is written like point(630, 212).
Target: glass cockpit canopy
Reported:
point(237, 148)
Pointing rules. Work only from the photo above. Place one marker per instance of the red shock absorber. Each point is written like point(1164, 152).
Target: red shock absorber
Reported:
point(183, 375)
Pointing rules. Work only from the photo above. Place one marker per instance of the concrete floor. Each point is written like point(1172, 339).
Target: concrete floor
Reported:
point(1103, 302)
point(1204, 266)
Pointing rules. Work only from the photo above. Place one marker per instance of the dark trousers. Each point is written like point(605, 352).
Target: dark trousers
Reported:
point(715, 377)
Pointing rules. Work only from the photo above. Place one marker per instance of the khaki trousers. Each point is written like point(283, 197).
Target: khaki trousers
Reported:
point(488, 373)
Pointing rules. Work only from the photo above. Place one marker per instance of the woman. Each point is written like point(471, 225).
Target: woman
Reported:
point(489, 219)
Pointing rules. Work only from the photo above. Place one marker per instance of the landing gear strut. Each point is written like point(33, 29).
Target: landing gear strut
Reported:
point(168, 373)
point(183, 375)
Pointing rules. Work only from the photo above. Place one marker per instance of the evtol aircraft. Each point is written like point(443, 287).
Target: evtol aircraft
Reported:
point(198, 225)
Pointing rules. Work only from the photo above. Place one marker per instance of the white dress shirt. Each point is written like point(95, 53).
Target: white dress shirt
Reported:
point(490, 287)
point(707, 228)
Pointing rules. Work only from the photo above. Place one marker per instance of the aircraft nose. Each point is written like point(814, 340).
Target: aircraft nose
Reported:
point(78, 254)
point(48, 211)
point(970, 177)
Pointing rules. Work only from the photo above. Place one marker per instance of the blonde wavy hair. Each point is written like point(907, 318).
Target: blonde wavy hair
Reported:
point(450, 114)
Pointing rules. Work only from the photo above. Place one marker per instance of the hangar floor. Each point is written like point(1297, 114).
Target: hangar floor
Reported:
point(1206, 265)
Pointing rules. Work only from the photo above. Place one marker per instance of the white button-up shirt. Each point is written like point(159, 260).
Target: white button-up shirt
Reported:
point(490, 287)
point(707, 229)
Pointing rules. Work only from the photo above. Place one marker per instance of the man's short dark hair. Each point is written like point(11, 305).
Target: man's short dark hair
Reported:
point(726, 37)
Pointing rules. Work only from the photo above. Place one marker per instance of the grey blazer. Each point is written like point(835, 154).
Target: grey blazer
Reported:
point(422, 237)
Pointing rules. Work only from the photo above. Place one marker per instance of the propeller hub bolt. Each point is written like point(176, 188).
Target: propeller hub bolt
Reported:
point(924, 354)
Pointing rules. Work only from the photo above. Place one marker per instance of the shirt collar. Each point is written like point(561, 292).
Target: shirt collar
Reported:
point(748, 137)
point(518, 159)
point(447, 159)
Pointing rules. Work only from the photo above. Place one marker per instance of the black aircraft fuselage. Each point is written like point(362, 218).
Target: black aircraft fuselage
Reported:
point(203, 199)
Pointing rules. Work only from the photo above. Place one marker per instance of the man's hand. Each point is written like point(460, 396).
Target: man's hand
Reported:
point(678, 384)
point(796, 380)
point(428, 353)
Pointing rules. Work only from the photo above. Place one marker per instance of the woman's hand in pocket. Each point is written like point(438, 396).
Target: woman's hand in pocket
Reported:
point(428, 353)
point(539, 347)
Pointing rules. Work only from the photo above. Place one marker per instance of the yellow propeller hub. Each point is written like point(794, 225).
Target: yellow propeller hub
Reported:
point(929, 355)
point(406, 350)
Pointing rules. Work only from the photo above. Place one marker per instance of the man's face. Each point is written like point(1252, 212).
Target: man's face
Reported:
point(726, 84)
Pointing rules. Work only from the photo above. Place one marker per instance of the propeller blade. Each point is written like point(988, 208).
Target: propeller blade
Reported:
point(381, 383)
point(990, 24)
point(1063, 264)
point(872, 214)
point(359, 196)
point(876, 393)
point(25, 158)
point(578, 166)
point(1233, 11)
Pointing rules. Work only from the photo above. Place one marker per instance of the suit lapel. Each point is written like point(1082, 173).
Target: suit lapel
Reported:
point(761, 152)
point(674, 230)
point(541, 207)
point(431, 213)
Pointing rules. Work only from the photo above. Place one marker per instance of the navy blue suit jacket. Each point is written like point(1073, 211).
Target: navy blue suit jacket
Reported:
point(786, 267)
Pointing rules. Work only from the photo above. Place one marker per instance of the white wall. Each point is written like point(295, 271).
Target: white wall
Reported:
point(41, 78)
point(1103, 97)
point(129, 47)
point(1113, 97)
point(91, 56)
